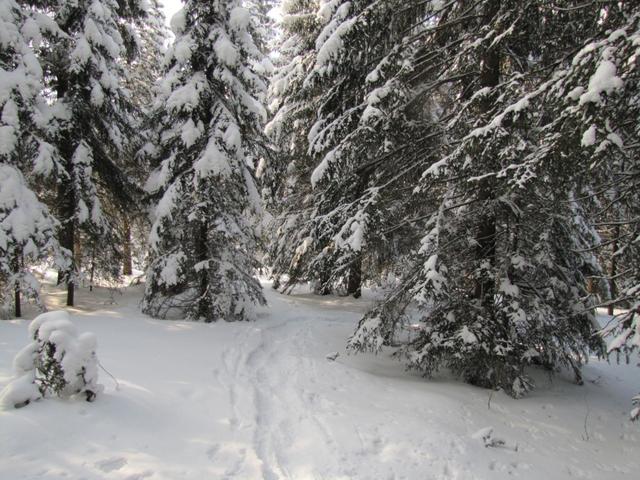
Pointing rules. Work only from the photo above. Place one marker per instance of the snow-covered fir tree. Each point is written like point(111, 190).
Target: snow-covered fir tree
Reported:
point(27, 229)
point(145, 69)
point(355, 96)
point(27, 237)
point(501, 270)
point(91, 126)
point(364, 136)
point(57, 362)
point(263, 22)
point(595, 106)
point(203, 245)
point(285, 177)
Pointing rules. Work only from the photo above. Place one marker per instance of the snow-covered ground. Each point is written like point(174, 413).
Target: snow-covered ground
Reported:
point(261, 401)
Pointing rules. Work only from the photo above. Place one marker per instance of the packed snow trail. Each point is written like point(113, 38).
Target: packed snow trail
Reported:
point(260, 400)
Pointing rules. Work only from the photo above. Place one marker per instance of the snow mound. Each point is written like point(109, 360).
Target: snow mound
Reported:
point(20, 392)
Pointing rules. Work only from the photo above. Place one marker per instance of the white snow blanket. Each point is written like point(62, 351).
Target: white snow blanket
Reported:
point(260, 400)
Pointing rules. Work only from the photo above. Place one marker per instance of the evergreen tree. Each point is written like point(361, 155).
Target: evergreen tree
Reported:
point(145, 69)
point(202, 244)
point(501, 273)
point(57, 362)
point(26, 239)
point(595, 106)
point(91, 126)
point(364, 137)
point(360, 147)
point(285, 177)
point(27, 230)
point(263, 22)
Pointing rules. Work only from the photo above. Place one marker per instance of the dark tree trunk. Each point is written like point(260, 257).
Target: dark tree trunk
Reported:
point(354, 280)
point(127, 265)
point(67, 235)
point(486, 236)
point(17, 292)
point(354, 275)
point(93, 268)
point(71, 287)
point(613, 269)
point(67, 198)
point(486, 251)
point(66, 203)
point(18, 306)
point(204, 307)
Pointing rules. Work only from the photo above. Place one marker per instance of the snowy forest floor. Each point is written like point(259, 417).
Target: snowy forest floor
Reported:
point(259, 400)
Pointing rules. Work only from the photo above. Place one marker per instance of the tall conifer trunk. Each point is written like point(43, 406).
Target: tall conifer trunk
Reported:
point(613, 271)
point(127, 266)
point(17, 292)
point(204, 305)
point(66, 200)
point(354, 279)
point(66, 206)
point(484, 287)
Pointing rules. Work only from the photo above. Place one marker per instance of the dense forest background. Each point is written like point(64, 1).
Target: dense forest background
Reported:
point(478, 159)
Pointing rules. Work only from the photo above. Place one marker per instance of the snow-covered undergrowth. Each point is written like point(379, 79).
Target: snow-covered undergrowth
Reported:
point(261, 401)
point(56, 361)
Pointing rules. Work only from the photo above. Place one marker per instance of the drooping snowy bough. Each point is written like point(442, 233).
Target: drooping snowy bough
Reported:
point(58, 361)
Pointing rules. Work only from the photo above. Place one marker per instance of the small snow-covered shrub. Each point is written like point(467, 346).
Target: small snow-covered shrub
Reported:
point(57, 362)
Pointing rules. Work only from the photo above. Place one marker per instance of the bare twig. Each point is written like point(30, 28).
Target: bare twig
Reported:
point(109, 373)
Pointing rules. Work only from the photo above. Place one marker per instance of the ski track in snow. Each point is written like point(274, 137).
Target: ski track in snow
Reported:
point(259, 400)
